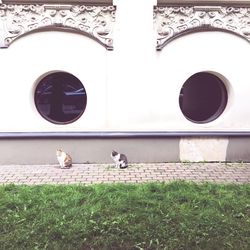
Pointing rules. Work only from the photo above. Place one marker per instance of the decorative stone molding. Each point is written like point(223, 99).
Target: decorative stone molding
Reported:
point(80, 2)
point(173, 21)
point(198, 2)
point(94, 21)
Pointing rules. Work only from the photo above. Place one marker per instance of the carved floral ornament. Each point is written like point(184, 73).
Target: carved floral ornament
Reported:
point(94, 21)
point(171, 22)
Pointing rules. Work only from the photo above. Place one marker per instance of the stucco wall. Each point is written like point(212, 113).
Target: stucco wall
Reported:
point(32, 56)
point(132, 88)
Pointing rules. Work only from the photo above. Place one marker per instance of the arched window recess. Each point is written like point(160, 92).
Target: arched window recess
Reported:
point(173, 18)
point(92, 18)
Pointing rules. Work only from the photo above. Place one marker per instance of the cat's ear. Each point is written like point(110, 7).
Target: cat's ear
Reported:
point(114, 152)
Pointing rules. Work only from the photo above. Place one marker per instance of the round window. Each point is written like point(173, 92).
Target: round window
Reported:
point(60, 98)
point(203, 97)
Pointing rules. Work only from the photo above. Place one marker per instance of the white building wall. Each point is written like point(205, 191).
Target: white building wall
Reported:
point(220, 53)
point(34, 55)
point(132, 88)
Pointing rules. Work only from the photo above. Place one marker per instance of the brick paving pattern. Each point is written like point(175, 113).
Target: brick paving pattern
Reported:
point(135, 173)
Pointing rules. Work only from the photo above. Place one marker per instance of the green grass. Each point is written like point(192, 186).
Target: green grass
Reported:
point(178, 215)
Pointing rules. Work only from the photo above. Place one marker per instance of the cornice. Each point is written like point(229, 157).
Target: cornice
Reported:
point(173, 21)
point(96, 22)
point(203, 2)
point(80, 2)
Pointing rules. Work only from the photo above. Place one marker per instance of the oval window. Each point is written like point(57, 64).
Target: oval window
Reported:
point(203, 97)
point(60, 98)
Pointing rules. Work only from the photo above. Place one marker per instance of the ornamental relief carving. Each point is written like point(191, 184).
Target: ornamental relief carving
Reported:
point(171, 22)
point(94, 21)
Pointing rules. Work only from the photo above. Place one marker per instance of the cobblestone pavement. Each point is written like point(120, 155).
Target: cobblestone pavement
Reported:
point(135, 173)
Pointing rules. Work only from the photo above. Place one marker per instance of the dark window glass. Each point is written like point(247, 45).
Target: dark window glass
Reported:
point(60, 98)
point(203, 97)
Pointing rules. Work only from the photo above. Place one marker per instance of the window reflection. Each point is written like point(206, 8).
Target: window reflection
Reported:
point(60, 97)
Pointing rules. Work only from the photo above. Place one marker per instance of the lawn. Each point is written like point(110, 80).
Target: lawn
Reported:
point(177, 215)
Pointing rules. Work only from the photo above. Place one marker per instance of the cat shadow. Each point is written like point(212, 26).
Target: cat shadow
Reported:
point(58, 167)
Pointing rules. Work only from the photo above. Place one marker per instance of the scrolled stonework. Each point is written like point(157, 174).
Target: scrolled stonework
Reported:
point(94, 21)
point(173, 21)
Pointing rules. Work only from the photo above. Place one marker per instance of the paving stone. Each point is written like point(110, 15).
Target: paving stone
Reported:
point(135, 173)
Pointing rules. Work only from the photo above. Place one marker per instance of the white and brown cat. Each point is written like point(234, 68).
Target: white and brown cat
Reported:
point(63, 158)
point(120, 160)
